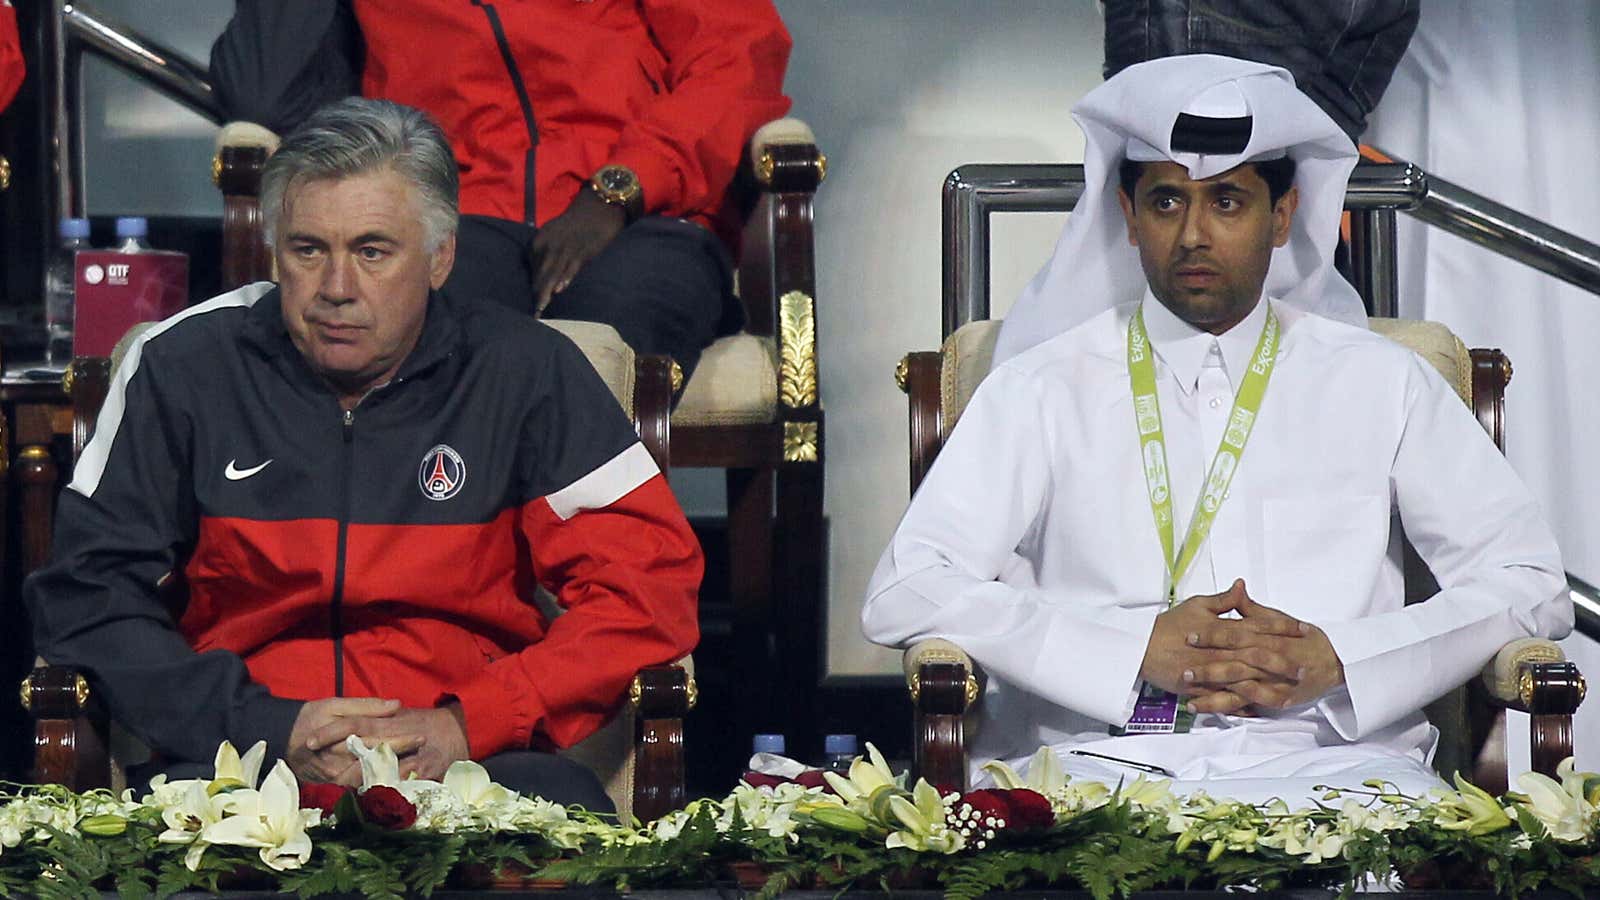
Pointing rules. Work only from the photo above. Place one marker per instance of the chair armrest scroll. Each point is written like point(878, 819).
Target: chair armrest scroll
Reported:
point(1507, 675)
point(1534, 675)
point(69, 729)
point(662, 697)
point(785, 156)
point(944, 685)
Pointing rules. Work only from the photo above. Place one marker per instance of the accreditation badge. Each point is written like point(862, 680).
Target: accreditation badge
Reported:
point(1156, 712)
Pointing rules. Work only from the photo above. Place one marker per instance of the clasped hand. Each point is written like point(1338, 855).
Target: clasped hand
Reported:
point(426, 741)
point(1265, 659)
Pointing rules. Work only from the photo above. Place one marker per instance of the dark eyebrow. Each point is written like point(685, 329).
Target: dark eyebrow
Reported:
point(1228, 187)
point(373, 237)
point(300, 237)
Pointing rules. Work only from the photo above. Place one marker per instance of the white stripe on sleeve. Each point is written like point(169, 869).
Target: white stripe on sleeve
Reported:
point(608, 483)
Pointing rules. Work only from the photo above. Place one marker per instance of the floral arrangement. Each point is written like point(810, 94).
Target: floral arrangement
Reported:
point(396, 837)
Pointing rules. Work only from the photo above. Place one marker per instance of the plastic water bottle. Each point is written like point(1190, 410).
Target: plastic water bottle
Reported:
point(60, 290)
point(768, 743)
point(133, 234)
point(838, 752)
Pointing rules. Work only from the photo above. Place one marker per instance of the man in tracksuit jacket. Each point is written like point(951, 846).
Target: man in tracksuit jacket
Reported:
point(359, 483)
point(597, 139)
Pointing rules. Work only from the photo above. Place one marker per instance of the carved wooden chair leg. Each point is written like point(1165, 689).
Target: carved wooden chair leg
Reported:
point(663, 696)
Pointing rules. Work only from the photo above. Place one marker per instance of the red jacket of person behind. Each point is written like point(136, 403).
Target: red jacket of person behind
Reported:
point(12, 69)
point(672, 89)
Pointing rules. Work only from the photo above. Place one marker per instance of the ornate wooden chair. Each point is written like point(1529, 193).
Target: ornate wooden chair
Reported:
point(638, 755)
point(752, 408)
point(1528, 675)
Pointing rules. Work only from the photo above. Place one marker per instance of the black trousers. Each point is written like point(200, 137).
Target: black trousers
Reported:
point(666, 285)
point(529, 773)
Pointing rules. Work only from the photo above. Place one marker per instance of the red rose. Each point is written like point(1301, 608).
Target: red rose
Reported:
point(1029, 809)
point(1014, 810)
point(386, 808)
point(988, 804)
point(757, 779)
point(319, 795)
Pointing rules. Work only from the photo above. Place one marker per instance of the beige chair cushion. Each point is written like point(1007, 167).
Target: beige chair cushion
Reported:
point(736, 383)
point(934, 650)
point(968, 355)
point(247, 134)
point(607, 352)
point(780, 131)
point(1436, 344)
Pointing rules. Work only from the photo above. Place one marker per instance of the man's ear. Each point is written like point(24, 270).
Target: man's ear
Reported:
point(1283, 215)
point(1127, 215)
point(443, 260)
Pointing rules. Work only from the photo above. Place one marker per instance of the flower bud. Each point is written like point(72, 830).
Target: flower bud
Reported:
point(107, 825)
point(840, 819)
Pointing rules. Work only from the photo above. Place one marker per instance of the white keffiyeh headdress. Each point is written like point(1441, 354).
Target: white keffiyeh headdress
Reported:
point(1209, 114)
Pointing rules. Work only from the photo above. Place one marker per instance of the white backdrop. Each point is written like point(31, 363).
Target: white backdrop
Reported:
point(1506, 102)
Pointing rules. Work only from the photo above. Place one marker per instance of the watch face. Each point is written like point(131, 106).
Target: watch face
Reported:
point(616, 179)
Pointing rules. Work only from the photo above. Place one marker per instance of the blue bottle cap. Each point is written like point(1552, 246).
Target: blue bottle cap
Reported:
point(840, 744)
point(769, 743)
point(74, 228)
point(132, 226)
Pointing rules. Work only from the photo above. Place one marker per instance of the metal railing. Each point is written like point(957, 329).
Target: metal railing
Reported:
point(1585, 605)
point(1377, 190)
point(70, 29)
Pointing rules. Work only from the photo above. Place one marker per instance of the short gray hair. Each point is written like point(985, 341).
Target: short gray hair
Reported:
point(357, 135)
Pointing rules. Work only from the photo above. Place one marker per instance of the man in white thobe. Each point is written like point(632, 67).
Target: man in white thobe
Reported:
point(1282, 441)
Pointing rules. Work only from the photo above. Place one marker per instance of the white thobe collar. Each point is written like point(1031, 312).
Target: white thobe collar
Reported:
point(1185, 349)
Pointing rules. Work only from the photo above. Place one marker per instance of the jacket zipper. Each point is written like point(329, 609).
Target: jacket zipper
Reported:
point(336, 610)
point(530, 205)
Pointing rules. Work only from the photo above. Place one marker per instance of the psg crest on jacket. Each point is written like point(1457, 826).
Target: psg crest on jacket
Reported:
point(442, 473)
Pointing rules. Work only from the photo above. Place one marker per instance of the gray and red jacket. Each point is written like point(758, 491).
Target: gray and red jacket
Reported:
point(393, 551)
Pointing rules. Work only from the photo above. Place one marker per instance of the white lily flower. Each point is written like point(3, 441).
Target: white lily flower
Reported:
point(188, 819)
point(378, 765)
point(867, 777)
point(470, 782)
point(1561, 807)
point(1148, 793)
point(271, 820)
point(925, 821)
point(1045, 774)
point(230, 769)
point(1469, 808)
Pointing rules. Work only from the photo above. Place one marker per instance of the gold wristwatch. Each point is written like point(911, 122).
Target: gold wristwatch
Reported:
point(618, 185)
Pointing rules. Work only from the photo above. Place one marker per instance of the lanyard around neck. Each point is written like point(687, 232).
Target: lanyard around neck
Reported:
point(1153, 447)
